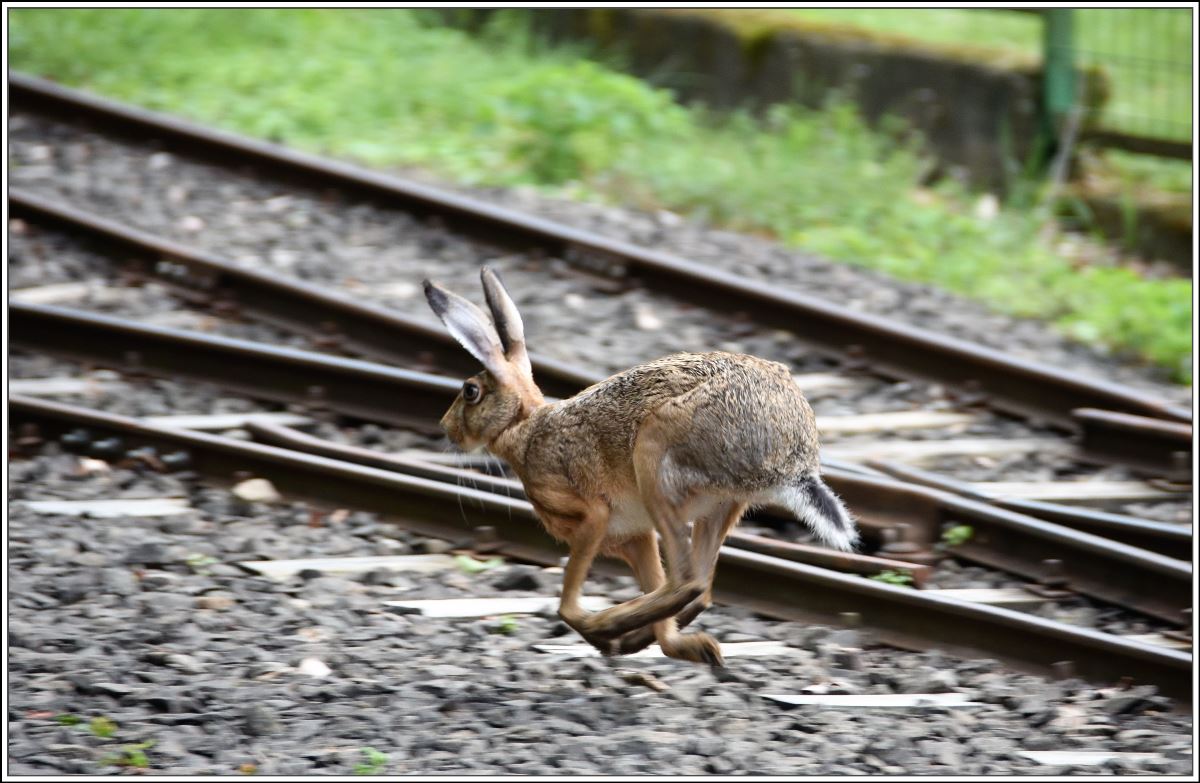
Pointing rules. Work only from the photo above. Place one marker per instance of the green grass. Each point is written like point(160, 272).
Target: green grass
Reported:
point(1143, 172)
point(1145, 52)
point(380, 87)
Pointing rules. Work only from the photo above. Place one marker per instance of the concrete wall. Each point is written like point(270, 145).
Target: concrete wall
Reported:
point(979, 114)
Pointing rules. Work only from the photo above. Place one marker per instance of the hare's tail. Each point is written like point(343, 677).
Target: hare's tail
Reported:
point(815, 504)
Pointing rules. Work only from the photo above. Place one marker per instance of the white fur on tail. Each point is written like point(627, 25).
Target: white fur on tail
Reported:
point(815, 504)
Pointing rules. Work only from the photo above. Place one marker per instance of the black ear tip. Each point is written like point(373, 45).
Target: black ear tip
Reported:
point(491, 279)
point(434, 295)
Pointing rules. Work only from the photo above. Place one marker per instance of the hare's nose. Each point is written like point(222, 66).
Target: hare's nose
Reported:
point(448, 425)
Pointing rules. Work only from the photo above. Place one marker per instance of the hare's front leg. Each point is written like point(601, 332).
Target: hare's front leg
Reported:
point(585, 537)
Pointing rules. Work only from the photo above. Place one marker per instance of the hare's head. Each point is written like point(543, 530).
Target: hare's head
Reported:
point(504, 393)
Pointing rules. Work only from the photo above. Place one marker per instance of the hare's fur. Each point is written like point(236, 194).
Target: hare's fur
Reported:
point(690, 438)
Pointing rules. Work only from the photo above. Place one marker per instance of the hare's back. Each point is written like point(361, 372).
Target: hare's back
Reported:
point(748, 427)
point(629, 395)
point(729, 418)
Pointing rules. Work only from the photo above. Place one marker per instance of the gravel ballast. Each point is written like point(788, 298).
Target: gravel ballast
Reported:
point(149, 625)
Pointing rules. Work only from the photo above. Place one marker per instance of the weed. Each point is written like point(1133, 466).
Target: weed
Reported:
point(68, 720)
point(248, 768)
point(102, 727)
point(374, 764)
point(130, 756)
point(199, 563)
point(898, 577)
point(507, 625)
point(957, 535)
point(473, 566)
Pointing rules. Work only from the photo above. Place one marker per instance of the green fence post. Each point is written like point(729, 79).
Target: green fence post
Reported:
point(1058, 76)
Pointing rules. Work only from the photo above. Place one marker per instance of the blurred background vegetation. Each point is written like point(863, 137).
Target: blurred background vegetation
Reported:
point(397, 88)
point(1119, 39)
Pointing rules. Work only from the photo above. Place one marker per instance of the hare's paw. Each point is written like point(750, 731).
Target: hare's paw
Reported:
point(698, 647)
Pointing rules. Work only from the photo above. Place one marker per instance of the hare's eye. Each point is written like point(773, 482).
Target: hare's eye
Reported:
point(471, 392)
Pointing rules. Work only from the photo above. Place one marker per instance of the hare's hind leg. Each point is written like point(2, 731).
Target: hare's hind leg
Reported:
point(651, 467)
point(708, 533)
point(663, 598)
point(642, 555)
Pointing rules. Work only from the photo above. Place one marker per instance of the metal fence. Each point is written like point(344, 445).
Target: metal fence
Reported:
point(1142, 58)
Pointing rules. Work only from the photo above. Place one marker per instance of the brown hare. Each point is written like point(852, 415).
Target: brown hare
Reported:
point(694, 437)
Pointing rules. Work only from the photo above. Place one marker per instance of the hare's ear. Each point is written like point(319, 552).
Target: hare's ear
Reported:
point(467, 324)
point(509, 326)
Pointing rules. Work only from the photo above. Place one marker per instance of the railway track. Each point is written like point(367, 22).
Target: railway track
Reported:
point(1114, 572)
point(1007, 383)
point(286, 375)
point(769, 585)
point(341, 323)
point(1115, 558)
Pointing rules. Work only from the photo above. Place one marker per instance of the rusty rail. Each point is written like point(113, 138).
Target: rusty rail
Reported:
point(1144, 581)
point(363, 390)
point(1162, 537)
point(773, 586)
point(1010, 384)
point(1147, 445)
point(333, 321)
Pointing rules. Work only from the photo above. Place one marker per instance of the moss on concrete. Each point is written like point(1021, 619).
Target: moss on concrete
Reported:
point(754, 26)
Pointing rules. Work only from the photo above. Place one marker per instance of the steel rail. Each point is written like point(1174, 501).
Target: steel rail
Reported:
point(1108, 570)
point(337, 322)
point(1011, 384)
point(363, 390)
point(1162, 537)
point(1114, 572)
point(290, 438)
point(1147, 445)
point(333, 321)
point(772, 586)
